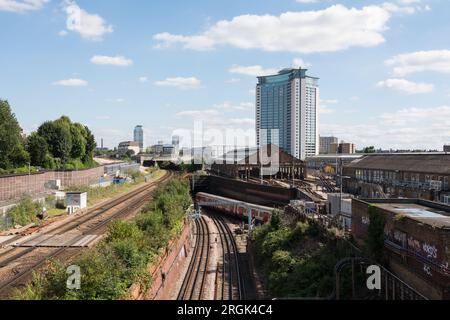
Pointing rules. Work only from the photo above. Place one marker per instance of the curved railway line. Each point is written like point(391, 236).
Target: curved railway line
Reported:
point(229, 283)
point(195, 280)
point(94, 221)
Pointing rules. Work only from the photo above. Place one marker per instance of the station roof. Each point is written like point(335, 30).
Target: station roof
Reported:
point(432, 163)
point(252, 156)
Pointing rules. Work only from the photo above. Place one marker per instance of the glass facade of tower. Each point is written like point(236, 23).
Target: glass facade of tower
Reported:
point(139, 137)
point(286, 109)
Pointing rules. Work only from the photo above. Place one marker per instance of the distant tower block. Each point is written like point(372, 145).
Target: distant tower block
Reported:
point(139, 137)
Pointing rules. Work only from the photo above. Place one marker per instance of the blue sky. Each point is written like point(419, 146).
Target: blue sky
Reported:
point(384, 66)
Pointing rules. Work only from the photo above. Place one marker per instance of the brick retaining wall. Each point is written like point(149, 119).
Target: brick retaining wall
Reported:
point(168, 266)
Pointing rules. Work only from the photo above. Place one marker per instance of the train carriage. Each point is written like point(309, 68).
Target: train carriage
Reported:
point(236, 208)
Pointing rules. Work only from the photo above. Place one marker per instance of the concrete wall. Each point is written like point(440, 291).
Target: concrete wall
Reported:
point(16, 186)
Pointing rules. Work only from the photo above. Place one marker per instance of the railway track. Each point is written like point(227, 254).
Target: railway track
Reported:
point(230, 284)
point(87, 222)
point(194, 283)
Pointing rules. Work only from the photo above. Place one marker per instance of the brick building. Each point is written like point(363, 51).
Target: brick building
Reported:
point(413, 175)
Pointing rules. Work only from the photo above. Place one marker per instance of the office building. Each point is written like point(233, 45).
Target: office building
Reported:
point(287, 112)
point(325, 144)
point(342, 148)
point(139, 137)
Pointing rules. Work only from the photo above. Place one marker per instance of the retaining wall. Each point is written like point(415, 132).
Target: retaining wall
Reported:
point(166, 270)
point(16, 186)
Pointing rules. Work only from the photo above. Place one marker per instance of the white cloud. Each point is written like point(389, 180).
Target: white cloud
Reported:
point(406, 86)
point(143, 79)
point(119, 61)
point(329, 101)
point(21, 6)
point(71, 83)
point(252, 70)
point(242, 121)
point(63, 33)
point(300, 63)
point(198, 114)
point(323, 109)
point(418, 116)
point(89, 26)
point(233, 80)
point(393, 8)
point(420, 61)
point(331, 29)
point(229, 106)
point(180, 83)
point(408, 128)
point(409, 1)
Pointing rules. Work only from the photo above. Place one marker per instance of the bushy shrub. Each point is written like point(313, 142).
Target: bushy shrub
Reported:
point(109, 269)
point(23, 214)
point(298, 261)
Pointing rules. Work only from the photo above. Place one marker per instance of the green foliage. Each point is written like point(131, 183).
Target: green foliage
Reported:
point(375, 234)
point(12, 152)
point(22, 214)
point(122, 258)
point(72, 143)
point(297, 261)
point(370, 149)
point(38, 148)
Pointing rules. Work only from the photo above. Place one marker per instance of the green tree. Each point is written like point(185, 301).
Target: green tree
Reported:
point(90, 146)
point(370, 149)
point(58, 137)
point(78, 133)
point(12, 152)
point(38, 149)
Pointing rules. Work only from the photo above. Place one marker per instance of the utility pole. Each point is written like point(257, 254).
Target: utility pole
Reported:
point(340, 201)
point(293, 173)
point(29, 178)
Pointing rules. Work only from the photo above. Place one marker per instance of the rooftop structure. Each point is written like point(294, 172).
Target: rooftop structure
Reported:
point(267, 161)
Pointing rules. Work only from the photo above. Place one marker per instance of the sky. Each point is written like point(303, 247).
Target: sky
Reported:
point(384, 66)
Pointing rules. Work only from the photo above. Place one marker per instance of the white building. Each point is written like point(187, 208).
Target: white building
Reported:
point(343, 210)
point(287, 112)
point(129, 145)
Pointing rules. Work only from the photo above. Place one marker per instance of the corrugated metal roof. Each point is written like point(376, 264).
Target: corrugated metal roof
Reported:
point(420, 163)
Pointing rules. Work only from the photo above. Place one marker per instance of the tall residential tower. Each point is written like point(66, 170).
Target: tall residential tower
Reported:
point(139, 137)
point(287, 110)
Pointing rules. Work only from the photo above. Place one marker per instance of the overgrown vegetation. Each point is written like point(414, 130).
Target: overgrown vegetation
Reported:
point(59, 144)
point(21, 215)
point(375, 234)
point(122, 259)
point(299, 260)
